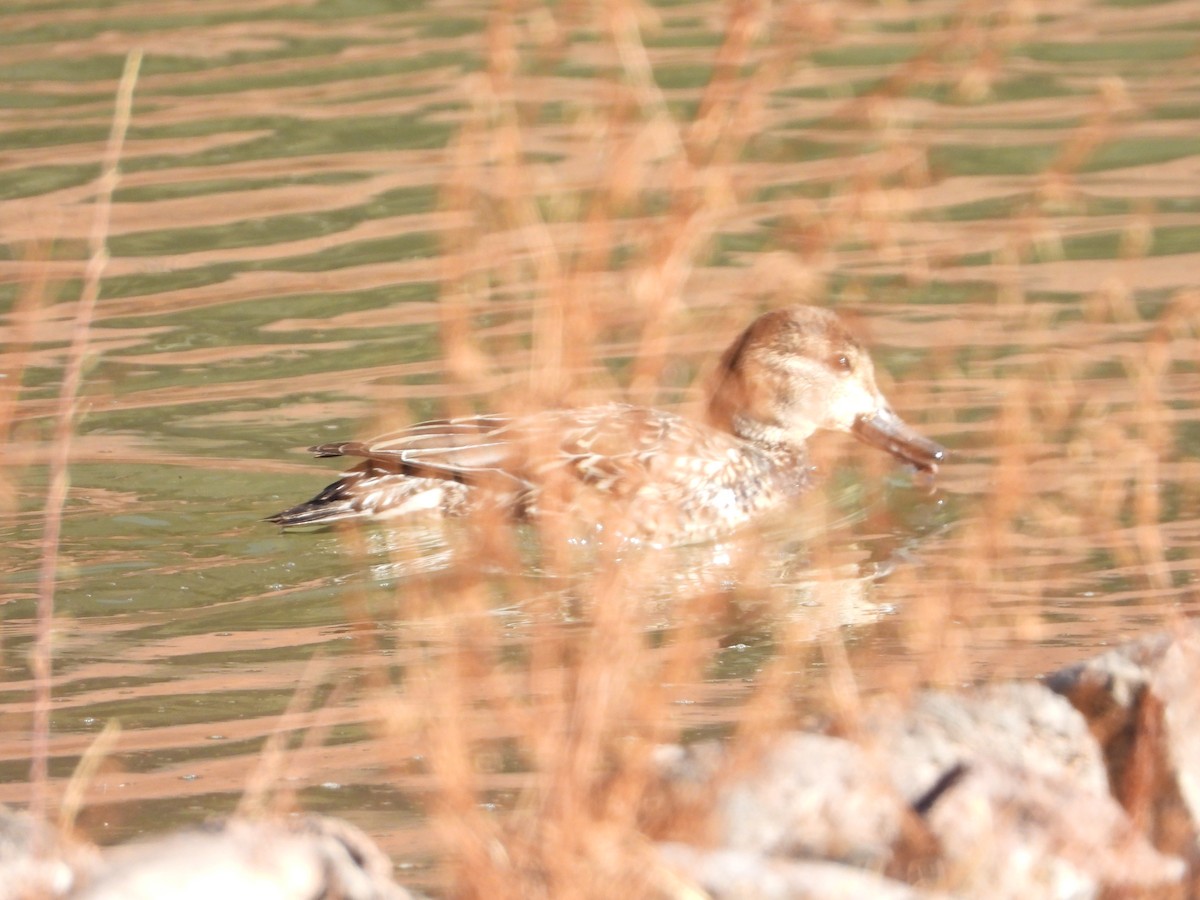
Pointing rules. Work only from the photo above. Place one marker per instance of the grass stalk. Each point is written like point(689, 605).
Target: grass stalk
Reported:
point(60, 448)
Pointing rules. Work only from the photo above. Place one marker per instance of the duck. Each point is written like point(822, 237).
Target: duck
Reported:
point(647, 473)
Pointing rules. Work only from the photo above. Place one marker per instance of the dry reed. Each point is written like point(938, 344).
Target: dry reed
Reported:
point(582, 710)
point(59, 457)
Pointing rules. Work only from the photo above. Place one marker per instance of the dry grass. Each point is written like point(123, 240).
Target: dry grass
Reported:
point(581, 710)
point(60, 447)
point(603, 252)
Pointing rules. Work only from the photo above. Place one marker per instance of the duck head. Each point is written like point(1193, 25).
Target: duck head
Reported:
point(797, 370)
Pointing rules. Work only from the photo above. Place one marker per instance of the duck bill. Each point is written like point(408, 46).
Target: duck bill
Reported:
point(887, 431)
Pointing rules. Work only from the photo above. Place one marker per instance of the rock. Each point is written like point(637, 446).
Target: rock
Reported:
point(35, 859)
point(1018, 724)
point(305, 858)
point(1142, 704)
point(726, 874)
point(998, 791)
point(815, 796)
point(1029, 811)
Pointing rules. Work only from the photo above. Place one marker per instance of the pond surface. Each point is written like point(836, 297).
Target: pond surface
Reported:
point(338, 217)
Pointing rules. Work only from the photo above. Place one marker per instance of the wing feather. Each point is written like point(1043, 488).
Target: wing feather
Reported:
point(614, 448)
point(441, 448)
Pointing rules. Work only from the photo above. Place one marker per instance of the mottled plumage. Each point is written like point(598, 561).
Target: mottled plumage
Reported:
point(658, 475)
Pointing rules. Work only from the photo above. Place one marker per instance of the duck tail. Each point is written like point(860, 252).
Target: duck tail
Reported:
point(333, 504)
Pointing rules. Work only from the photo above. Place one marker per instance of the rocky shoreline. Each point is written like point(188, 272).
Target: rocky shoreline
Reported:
point(1084, 783)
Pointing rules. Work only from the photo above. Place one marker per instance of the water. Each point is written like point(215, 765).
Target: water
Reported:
point(334, 218)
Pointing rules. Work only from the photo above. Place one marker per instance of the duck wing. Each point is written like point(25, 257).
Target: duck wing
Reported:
point(615, 448)
point(457, 449)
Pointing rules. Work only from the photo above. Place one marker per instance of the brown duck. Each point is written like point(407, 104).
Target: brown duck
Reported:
point(645, 472)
